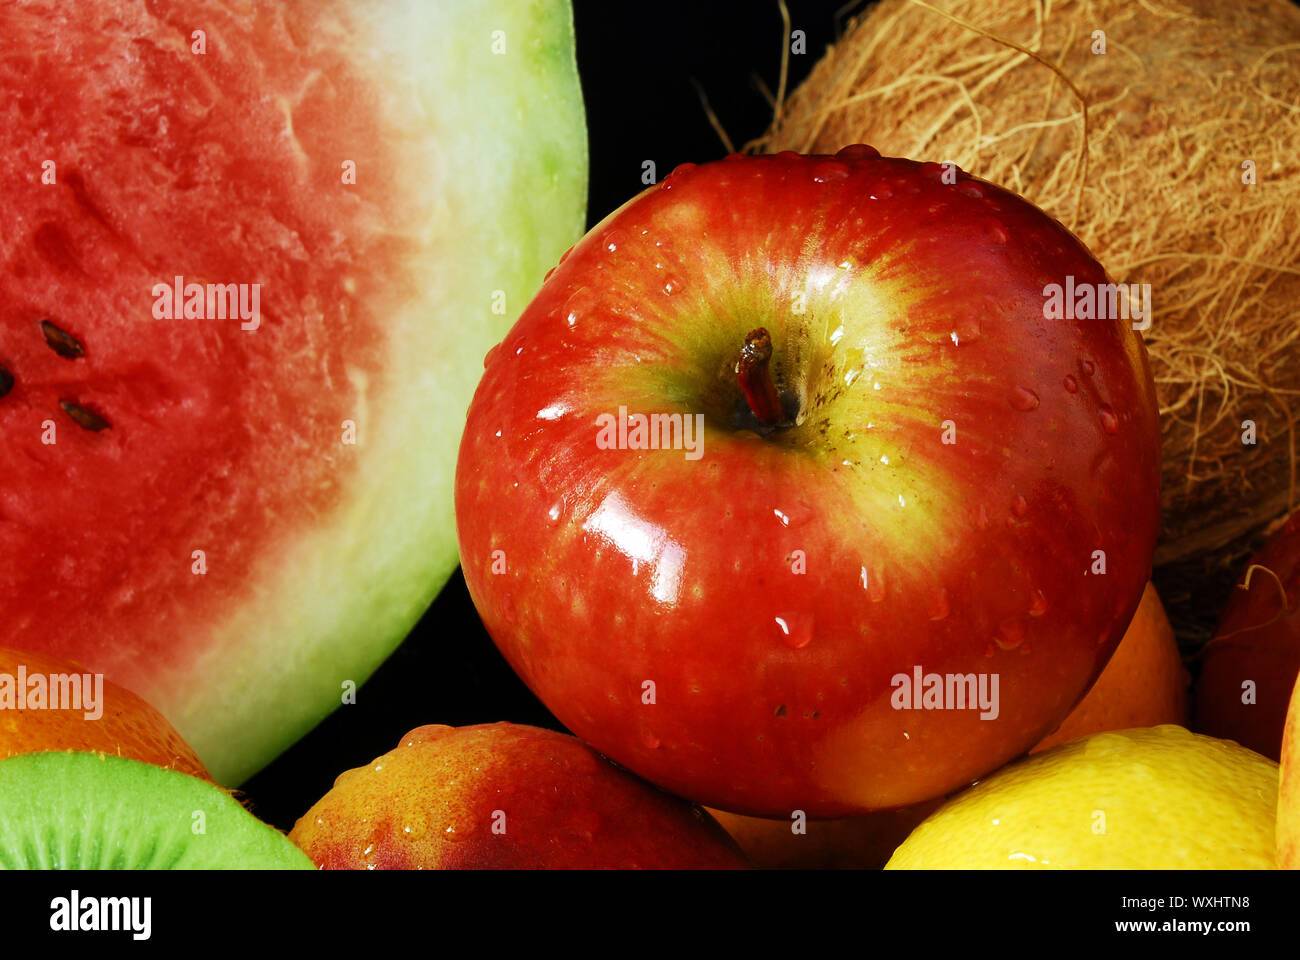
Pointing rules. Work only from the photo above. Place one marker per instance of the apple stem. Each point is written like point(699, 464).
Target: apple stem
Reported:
point(755, 378)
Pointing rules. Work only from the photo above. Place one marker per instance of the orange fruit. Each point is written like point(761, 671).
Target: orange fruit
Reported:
point(855, 843)
point(1143, 685)
point(110, 719)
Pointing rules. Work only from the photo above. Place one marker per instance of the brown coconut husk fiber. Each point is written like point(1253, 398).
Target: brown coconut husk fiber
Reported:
point(1140, 152)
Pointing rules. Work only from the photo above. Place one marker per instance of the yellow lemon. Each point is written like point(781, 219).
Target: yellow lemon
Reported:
point(1288, 792)
point(1150, 798)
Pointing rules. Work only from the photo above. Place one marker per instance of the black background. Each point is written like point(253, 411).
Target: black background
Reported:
point(639, 65)
point(940, 911)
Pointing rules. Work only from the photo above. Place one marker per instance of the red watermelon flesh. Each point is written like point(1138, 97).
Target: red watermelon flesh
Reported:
point(238, 515)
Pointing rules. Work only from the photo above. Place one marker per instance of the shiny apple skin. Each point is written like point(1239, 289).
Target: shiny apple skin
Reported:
point(1259, 641)
point(922, 302)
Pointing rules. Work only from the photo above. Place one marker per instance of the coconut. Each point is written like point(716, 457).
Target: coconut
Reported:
point(1166, 135)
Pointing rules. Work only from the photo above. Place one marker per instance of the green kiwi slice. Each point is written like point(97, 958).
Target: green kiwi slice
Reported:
point(89, 811)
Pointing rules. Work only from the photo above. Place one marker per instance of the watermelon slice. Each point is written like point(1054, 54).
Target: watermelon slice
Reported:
point(252, 255)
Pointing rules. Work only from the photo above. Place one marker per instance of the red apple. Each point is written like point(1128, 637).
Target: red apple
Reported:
point(1250, 666)
point(503, 796)
point(928, 475)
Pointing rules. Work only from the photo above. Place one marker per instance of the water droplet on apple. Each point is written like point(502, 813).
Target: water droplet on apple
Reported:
point(459, 831)
point(554, 512)
point(613, 239)
point(1019, 505)
point(934, 169)
point(565, 255)
point(1011, 633)
point(651, 741)
point(679, 171)
point(970, 328)
point(1037, 604)
point(490, 355)
point(1088, 367)
point(672, 285)
point(970, 189)
point(873, 581)
point(1024, 399)
point(881, 192)
point(414, 831)
point(1109, 421)
point(997, 233)
point(857, 151)
point(578, 306)
point(1071, 384)
point(792, 514)
point(830, 170)
point(795, 629)
point(939, 605)
point(549, 273)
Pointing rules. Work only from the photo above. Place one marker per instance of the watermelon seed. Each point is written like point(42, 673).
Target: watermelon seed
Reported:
point(62, 342)
point(6, 381)
point(85, 418)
